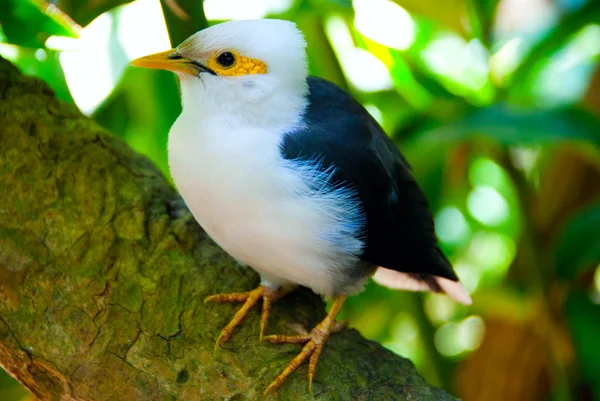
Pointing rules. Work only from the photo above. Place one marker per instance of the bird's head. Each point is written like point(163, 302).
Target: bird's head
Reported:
point(237, 65)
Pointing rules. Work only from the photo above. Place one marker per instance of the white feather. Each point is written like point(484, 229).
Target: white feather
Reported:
point(409, 282)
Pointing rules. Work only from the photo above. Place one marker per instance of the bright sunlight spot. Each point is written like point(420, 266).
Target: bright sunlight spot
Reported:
point(469, 275)
point(244, 9)
point(451, 225)
point(94, 63)
point(62, 43)
point(506, 60)
point(488, 206)
point(446, 340)
point(525, 158)
point(465, 63)
point(142, 29)
point(471, 333)
point(9, 52)
point(375, 112)
point(530, 17)
point(570, 68)
point(440, 55)
point(439, 308)
point(385, 22)
point(492, 253)
point(364, 71)
point(596, 289)
point(89, 71)
point(40, 55)
point(485, 171)
point(457, 337)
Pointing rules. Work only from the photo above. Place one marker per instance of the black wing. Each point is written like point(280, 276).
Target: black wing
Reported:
point(338, 131)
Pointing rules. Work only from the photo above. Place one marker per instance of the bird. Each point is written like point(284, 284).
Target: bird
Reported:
point(291, 176)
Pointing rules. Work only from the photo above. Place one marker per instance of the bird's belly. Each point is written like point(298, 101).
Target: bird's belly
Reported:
point(261, 232)
point(252, 208)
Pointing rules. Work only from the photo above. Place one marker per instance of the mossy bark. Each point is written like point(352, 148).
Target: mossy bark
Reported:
point(103, 276)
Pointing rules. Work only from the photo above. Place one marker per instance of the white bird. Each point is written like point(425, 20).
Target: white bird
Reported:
point(292, 176)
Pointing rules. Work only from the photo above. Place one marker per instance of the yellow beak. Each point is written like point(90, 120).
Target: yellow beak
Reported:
point(171, 61)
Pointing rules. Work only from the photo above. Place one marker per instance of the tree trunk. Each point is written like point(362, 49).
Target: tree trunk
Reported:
point(103, 275)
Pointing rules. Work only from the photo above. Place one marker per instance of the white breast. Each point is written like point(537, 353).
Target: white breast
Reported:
point(262, 209)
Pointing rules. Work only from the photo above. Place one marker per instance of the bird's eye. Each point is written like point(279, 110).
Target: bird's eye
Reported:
point(229, 63)
point(226, 59)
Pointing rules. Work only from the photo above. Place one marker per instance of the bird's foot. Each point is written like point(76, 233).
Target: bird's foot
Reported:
point(250, 298)
point(314, 343)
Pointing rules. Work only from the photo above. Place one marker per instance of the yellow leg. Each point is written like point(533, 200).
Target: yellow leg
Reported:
point(315, 341)
point(250, 298)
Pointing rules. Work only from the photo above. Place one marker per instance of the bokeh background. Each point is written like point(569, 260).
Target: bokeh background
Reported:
point(495, 103)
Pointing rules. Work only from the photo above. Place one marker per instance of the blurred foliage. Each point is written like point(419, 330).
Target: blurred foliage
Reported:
point(10, 389)
point(30, 22)
point(494, 103)
point(579, 244)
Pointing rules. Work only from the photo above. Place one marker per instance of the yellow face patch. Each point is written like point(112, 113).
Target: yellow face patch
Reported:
point(231, 63)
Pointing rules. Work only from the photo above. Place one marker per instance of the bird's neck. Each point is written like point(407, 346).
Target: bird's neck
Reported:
point(279, 109)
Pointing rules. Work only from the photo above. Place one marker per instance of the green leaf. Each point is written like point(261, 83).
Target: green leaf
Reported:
point(183, 18)
point(554, 41)
point(582, 319)
point(84, 11)
point(578, 247)
point(512, 126)
point(482, 15)
point(2, 35)
point(449, 13)
point(328, 6)
point(30, 22)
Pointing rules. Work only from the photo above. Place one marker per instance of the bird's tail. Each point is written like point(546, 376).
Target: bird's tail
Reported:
point(422, 282)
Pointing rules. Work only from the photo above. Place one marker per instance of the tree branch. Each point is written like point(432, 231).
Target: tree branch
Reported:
point(103, 276)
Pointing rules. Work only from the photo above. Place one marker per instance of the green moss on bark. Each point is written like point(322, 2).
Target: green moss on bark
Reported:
point(101, 288)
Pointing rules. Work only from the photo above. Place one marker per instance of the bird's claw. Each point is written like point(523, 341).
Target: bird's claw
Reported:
point(250, 298)
point(314, 343)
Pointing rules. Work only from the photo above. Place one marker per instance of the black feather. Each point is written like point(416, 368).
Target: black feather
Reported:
point(339, 132)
